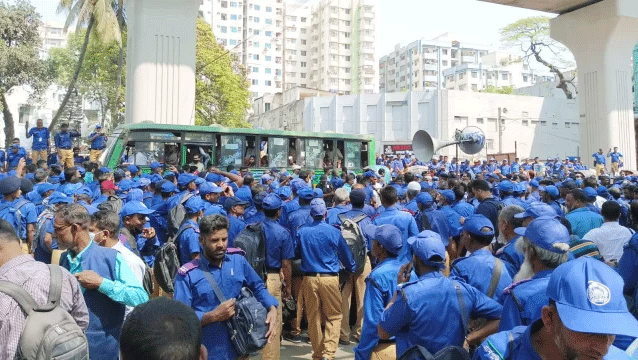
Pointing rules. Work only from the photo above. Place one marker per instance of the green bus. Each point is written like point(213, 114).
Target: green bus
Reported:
point(257, 149)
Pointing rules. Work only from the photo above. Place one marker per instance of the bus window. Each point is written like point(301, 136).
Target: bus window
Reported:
point(292, 151)
point(339, 154)
point(263, 152)
point(299, 155)
point(331, 154)
point(143, 153)
point(353, 155)
point(314, 154)
point(277, 152)
point(172, 154)
point(230, 150)
point(250, 158)
point(364, 154)
point(198, 156)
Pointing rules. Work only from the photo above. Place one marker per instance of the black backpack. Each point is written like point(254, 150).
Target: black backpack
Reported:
point(252, 240)
point(418, 352)
point(167, 261)
point(351, 232)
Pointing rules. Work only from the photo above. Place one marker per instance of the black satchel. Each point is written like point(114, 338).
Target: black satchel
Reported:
point(248, 327)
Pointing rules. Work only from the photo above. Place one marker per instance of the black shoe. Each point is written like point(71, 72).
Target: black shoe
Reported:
point(292, 338)
point(344, 342)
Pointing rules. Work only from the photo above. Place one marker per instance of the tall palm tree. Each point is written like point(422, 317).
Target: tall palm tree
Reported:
point(101, 24)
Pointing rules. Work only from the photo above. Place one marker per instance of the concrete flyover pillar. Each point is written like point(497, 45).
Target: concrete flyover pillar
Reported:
point(602, 37)
point(160, 82)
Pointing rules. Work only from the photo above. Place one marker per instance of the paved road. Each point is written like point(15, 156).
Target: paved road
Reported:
point(303, 350)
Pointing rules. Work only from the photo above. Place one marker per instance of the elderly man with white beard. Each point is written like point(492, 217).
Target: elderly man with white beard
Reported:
point(507, 223)
point(545, 245)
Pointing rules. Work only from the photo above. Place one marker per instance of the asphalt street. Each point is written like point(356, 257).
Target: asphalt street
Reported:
point(303, 350)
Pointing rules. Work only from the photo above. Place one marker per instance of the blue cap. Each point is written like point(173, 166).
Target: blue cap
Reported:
point(194, 204)
point(233, 201)
point(209, 188)
point(244, 194)
point(506, 185)
point(602, 191)
point(168, 187)
point(551, 190)
point(70, 189)
point(429, 248)
point(143, 182)
point(81, 170)
point(44, 187)
point(59, 198)
point(388, 236)
point(357, 196)
point(424, 199)
point(135, 207)
point(317, 207)
point(589, 298)
point(296, 184)
point(212, 177)
point(590, 193)
point(271, 202)
point(284, 192)
point(135, 195)
point(545, 232)
point(155, 178)
point(477, 224)
point(258, 199)
point(448, 195)
point(306, 193)
point(105, 170)
point(155, 165)
point(84, 191)
point(199, 180)
point(9, 185)
point(534, 183)
point(537, 210)
point(265, 178)
point(318, 193)
point(133, 169)
point(184, 179)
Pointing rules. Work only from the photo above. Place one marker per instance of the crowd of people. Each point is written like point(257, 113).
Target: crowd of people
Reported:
point(498, 259)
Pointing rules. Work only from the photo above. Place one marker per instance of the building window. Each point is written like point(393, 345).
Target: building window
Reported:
point(554, 125)
point(256, 32)
point(346, 46)
point(347, 58)
point(232, 17)
point(302, 75)
point(303, 42)
point(255, 82)
point(474, 87)
point(255, 57)
point(224, 29)
point(303, 19)
point(268, 33)
point(233, 29)
point(257, 7)
point(303, 64)
point(267, 106)
point(268, 83)
point(256, 44)
point(543, 123)
point(444, 62)
point(268, 70)
point(232, 42)
point(504, 76)
point(233, 4)
point(256, 19)
point(461, 76)
point(567, 125)
point(480, 121)
point(224, 4)
point(303, 53)
point(525, 122)
point(255, 69)
point(268, 21)
point(474, 74)
point(444, 51)
point(489, 144)
point(525, 78)
point(268, 9)
point(268, 58)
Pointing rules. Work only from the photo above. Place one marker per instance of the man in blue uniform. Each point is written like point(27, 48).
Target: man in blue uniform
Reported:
point(108, 283)
point(414, 313)
point(230, 272)
point(301, 216)
point(550, 195)
point(235, 209)
point(141, 238)
point(341, 199)
point(545, 244)
point(64, 145)
point(98, 143)
point(586, 311)
point(15, 153)
point(507, 223)
point(481, 269)
point(257, 215)
point(488, 205)
point(322, 247)
point(41, 141)
point(280, 251)
point(401, 219)
point(600, 161)
point(380, 286)
point(616, 163)
point(211, 193)
point(188, 233)
point(434, 220)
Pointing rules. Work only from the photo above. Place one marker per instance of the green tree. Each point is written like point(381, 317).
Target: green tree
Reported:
point(99, 78)
point(532, 36)
point(498, 90)
point(221, 84)
point(20, 63)
point(101, 23)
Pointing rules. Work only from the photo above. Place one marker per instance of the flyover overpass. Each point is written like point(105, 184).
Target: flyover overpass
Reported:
point(602, 35)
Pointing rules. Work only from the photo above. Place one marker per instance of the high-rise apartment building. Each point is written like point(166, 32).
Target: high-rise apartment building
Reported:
point(52, 35)
point(420, 65)
point(327, 45)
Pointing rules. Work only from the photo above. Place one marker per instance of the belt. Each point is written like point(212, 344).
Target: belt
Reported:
point(272, 271)
point(319, 274)
point(65, 148)
point(388, 341)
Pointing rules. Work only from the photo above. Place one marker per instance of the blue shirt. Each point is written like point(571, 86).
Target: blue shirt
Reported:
point(477, 269)
point(438, 223)
point(188, 241)
point(453, 220)
point(402, 220)
point(28, 212)
point(415, 316)
point(615, 156)
point(286, 209)
point(627, 266)
point(333, 214)
point(212, 209)
point(63, 139)
point(497, 346)
point(236, 226)
point(40, 138)
point(298, 218)
point(192, 289)
point(583, 220)
point(279, 244)
point(380, 287)
point(600, 158)
point(524, 301)
point(322, 247)
point(512, 259)
point(3, 157)
point(99, 143)
point(14, 158)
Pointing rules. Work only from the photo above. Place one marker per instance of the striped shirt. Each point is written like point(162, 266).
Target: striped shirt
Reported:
point(34, 276)
point(580, 248)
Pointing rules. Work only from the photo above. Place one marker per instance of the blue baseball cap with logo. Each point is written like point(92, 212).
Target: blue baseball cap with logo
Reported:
point(271, 202)
point(589, 298)
point(478, 224)
point(209, 188)
point(306, 193)
point(551, 190)
point(135, 207)
point(155, 165)
point(318, 193)
point(184, 179)
point(44, 187)
point(388, 236)
point(168, 187)
point(317, 207)
point(546, 232)
point(233, 201)
point(194, 205)
point(428, 247)
point(284, 192)
point(537, 210)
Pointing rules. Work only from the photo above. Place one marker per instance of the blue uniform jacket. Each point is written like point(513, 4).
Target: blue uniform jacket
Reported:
point(321, 248)
point(99, 143)
point(286, 209)
point(333, 214)
point(464, 209)
point(524, 301)
point(188, 241)
point(402, 220)
point(438, 223)
point(497, 346)
point(192, 289)
point(477, 269)
point(236, 226)
point(627, 266)
point(63, 139)
point(453, 219)
point(512, 259)
point(40, 138)
point(14, 158)
point(298, 218)
point(415, 316)
point(380, 286)
point(279, 244)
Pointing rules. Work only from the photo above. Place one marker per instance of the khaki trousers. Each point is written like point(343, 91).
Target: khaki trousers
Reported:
point(358, 282)
point(37, 155)
point(615, 167)
point(296, 323)
point(65, 157)
point(384, 351)
point(323, 299)
point(599, 169)
point(94, 155)
point(272, 350)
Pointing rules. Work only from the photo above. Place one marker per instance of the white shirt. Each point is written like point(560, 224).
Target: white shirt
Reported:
point(137, 265)
point(610, 238)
